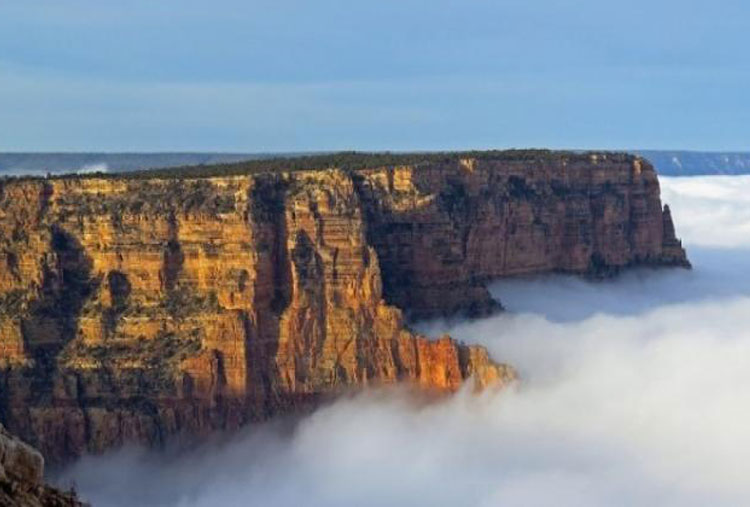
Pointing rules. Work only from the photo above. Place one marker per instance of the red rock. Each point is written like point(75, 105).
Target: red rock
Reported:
point(133, 310)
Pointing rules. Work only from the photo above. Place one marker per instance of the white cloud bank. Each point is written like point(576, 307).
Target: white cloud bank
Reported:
point(635, 392)
point(712, 210)
point(94, 168)
point(99, 167)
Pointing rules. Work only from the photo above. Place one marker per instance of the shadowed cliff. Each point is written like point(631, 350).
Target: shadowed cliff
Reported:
point(21, 477)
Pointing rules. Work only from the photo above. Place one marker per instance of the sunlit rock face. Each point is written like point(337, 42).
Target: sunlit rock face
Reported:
point(444, 230)
point(137, 310)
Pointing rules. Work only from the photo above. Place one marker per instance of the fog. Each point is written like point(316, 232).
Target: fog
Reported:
point(712, 211)
point(20, 171)
point(633, 391)
point(99, 167)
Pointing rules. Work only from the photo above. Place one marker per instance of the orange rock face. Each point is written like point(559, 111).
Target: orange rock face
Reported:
point(133, 310)
point(442, 231)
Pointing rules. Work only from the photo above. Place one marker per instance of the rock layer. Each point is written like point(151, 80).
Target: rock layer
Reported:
point(21, 477)
point(133, 310)
point(441, 232)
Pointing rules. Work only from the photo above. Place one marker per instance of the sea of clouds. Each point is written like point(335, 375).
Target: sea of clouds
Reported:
point(634, 391)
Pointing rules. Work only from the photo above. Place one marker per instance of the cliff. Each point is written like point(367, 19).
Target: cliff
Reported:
point(141, 309)
point(442, 231)
point(21, 477)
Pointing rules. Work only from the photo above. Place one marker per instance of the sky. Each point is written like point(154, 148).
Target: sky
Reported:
point(281, 75)
point(632, 391)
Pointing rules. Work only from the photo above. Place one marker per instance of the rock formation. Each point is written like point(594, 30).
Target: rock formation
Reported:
point(142, 308)
point(21, 477)
point(442, 231)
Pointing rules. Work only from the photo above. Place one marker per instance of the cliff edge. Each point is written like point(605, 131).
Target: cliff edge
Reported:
point(21, 477)
point(145, 307)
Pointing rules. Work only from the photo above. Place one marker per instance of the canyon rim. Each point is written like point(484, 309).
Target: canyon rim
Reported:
point(158, 306)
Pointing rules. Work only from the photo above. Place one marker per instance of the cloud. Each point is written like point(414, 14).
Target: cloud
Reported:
point(634, 392)
point(93, 168)
point(20, 170)
point(713, 210)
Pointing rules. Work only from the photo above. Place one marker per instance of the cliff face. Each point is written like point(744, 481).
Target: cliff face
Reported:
point(21, 477)
point(141, 309)
point(442, 231)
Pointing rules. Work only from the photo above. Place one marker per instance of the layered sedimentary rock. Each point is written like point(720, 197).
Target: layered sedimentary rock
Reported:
point(442, 231)
point(138, 309)
point(21, 477)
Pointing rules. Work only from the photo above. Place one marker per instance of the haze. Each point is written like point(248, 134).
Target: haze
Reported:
point(290, 75)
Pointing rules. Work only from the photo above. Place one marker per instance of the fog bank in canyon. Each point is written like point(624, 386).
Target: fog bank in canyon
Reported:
point(633, 391)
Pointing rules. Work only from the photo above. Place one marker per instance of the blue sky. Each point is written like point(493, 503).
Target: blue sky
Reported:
point(227, 75)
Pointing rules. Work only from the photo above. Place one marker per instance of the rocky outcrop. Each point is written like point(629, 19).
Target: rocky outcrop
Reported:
point(21, 477)
point(141, 309)
point(442, 231)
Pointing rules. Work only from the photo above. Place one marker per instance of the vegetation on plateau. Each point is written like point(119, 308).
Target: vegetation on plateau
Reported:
point(347, 161)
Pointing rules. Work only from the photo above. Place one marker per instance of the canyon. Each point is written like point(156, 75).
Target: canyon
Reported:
point(156, 307)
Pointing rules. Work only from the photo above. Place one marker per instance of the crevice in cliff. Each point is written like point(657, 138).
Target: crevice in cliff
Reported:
point(173, 256)
point(310, 294)
point(52, 321)
point(396, 228)
point(378, 224)
point(455, 201)
point(267, 216)
point(45, 196)
point(268, 209)
point(119, 291)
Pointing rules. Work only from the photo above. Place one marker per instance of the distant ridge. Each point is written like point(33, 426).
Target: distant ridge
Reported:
point(667, 163)
point(697, 163)
point(346, 160)
point(56, 163)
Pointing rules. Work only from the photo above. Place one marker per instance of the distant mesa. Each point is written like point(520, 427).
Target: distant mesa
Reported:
point(696, 163)
point(667, 163)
